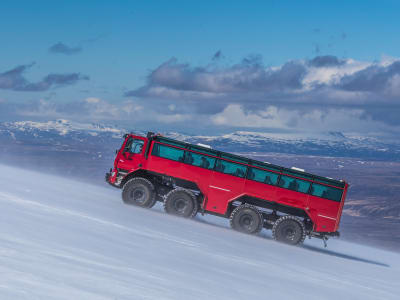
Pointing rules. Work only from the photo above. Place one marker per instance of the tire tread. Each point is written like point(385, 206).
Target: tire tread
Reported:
point(284, 218)
point(188, 192)
point(247, 206)
point(144, 181)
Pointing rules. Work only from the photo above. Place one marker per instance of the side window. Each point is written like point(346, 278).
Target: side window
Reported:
point(298, 174)
point(167, 152)
point(235, 158)
point(267, 166)
point(230, 168)
point(330, 182)
point(134, 146)
point(263, 176)
point(137, 146)
point(326, 192)
point(173, 143)
point(294, 184)
point(199, 160)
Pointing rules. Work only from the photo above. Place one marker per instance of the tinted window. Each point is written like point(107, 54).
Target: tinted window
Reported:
point(298, 174)
point(330, 182)
point(230, 168)
point(199, 160)
point(235, 158)
point(173, 143)
point(204, 151)
point(267, 166)
point(326, 192)
point(263, 176)
point(167, 152)
point(294, 184)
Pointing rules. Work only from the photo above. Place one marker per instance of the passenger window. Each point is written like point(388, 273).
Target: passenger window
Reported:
point(298, 174)
point(204, 151)
point(263, 176)
point(199, 160)
point(294, 184)
point(235, 158)
point(330, 182)
point(267, 166)
point(172, 143)
point(134, 146)
point(326, 192)
point(167, 152)
point(231, 168)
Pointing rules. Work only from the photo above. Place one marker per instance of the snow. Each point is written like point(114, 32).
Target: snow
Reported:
point(63, 127)
point(62, 239)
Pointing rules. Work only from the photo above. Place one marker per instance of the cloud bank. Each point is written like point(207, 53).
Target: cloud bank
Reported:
point(325, 93)
point(310, 93)
point(14, 80)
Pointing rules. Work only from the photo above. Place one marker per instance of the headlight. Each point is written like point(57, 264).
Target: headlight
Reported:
point(113, 174)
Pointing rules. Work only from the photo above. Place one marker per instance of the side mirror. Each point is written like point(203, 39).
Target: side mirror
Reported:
point(116, 151)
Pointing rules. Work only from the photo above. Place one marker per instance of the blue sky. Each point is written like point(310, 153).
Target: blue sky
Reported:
point(109, 52)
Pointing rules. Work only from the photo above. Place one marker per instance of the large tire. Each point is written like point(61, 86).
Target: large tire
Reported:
point(181, 202)
point(246, 218)
point(289, 230)
point(140, 192)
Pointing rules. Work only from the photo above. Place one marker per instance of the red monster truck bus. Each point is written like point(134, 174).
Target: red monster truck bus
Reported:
point(254, 195)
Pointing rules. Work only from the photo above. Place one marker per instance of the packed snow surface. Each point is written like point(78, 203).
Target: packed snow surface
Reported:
point(61, 239)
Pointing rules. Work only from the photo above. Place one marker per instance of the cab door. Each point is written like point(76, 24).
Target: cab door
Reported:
point(132, 156)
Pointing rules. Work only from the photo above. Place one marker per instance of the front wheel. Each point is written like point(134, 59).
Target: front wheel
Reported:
point(181, 202)
point(289, 230)
point(140, 192)
point(246, 218)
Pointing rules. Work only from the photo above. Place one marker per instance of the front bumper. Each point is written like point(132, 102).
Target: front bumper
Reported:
point(109, 177)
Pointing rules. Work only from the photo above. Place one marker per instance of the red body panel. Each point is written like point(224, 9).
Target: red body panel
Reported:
point(223, 188)
point(323, 212)
point(220, 189)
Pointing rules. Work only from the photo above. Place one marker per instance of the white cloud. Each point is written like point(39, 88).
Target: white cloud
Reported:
point(332, 74)
point(92, 100)
point(314, 120)
point(130, 107)
point(175, 118)
point(233, 115)
point(42, 108)
point(393, 88)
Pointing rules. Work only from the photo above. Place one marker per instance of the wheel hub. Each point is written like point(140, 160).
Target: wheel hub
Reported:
point(180, 205)
point(289, 232)
point(246, 221)
point(138, 195)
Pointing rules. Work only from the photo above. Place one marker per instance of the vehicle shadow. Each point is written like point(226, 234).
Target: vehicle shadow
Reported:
point(345, 256)
point(264, 235)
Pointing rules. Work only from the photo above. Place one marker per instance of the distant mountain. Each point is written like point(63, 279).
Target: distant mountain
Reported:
point(336, 144)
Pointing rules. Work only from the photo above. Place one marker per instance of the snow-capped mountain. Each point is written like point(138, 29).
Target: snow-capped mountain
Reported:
point(327, 144)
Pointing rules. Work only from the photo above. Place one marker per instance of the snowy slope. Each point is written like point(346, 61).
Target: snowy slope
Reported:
point(61, 239)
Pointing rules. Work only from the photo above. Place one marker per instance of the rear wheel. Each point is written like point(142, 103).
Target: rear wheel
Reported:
point(289, 230)
point(140, 192)
point(181, 202)
point(246, 218)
